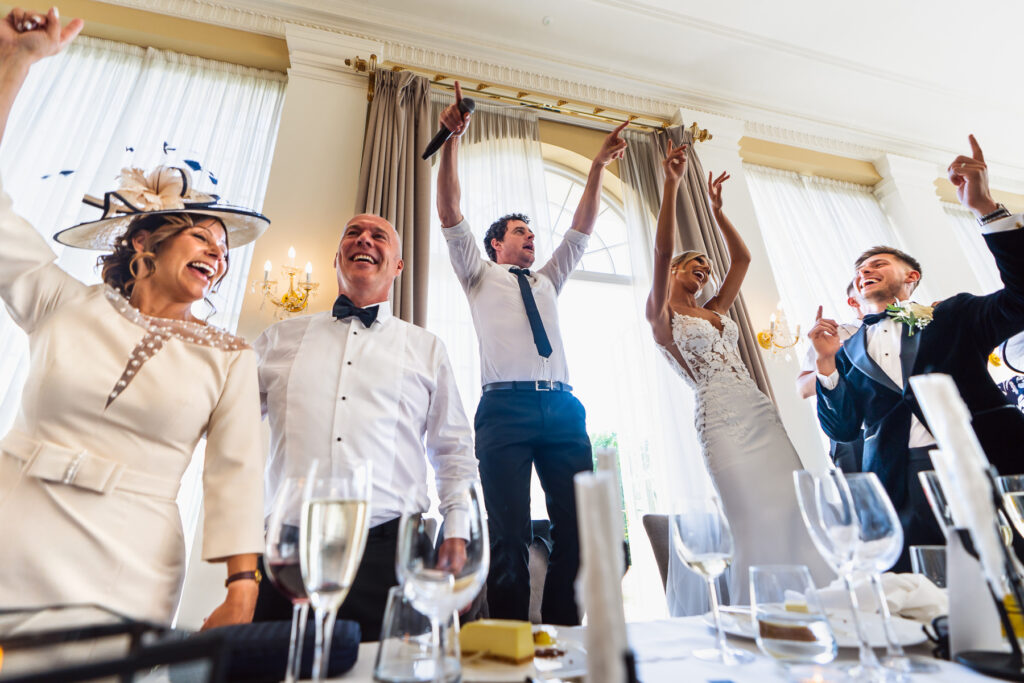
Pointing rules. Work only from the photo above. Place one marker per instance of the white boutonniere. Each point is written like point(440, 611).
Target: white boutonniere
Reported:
point(915, 316)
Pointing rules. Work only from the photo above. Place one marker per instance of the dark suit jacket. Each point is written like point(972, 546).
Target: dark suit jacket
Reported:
point(964, 330)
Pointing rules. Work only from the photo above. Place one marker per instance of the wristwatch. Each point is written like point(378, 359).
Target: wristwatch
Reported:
point(255, 575)
point(1000, 212)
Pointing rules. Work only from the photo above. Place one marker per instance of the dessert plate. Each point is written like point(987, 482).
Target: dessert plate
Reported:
point(572, 664)
point(736, 622)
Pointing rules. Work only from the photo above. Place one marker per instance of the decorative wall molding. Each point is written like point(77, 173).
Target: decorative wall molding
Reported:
point(319, 54)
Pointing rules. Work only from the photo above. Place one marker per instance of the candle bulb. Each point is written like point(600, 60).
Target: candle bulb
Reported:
point(771, 325)
point(309, 271)
point(291, 256)
point(266, 270)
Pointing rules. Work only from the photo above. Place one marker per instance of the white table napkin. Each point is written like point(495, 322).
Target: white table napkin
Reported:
point(911, 596)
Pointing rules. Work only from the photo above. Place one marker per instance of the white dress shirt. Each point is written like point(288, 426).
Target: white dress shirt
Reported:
point(342, 392)
point(507, 349)
point(883, 345)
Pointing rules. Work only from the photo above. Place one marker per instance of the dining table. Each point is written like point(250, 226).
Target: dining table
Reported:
point(662, 649)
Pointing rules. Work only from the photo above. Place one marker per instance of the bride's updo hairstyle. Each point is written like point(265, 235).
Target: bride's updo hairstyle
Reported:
point(710, 288)
point(120, 269)
point(684, 258)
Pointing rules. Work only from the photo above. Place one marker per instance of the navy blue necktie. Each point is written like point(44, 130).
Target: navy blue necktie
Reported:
point(344, 308)
point(540, 337)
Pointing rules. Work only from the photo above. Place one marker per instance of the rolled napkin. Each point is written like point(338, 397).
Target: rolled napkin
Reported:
point(911, 596)
point(598, 585)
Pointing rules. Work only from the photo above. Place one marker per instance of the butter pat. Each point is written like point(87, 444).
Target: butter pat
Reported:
point(506, 640)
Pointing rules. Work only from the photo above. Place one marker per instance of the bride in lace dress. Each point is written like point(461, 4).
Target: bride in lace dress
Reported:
point(747, 452)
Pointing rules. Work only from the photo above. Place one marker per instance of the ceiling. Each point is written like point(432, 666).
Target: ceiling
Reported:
point(912, 77)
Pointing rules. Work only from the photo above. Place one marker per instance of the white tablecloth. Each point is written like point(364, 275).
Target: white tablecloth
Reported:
point(662, 649)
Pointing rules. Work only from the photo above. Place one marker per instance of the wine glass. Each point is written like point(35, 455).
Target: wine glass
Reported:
point(440, 578)
point(332, 537)
point(831, 520)
point(937, 501)
point(881, 543)
point(703, 540)
point(1012, 488)
point(281, 561)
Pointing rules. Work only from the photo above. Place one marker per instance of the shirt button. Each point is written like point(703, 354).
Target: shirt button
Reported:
point(349, 363)
point(343, 397)
point(339, 438)
point(354, 332)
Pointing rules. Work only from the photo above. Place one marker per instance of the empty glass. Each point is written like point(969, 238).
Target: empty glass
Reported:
point(789, 621)
point(831, 519)
point(881, 543)
point(405, 654)
point(936, 499)
point(281, 561)
point(332, 538)
point(441, 578)
point(702, 537)
point(930, 562)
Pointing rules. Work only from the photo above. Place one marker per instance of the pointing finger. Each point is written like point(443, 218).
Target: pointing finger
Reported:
point(818, 316)
point(619, 128)
point(458, 92)
point(975, 148)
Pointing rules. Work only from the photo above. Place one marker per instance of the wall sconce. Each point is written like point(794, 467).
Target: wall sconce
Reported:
point(778, 336)
point(296, 298)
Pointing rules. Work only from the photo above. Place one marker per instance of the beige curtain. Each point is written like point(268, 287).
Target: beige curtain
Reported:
point(641, 169)
point(395, 183)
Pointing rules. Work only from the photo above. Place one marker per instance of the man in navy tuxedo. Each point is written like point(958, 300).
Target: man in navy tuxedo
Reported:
point(864, 382)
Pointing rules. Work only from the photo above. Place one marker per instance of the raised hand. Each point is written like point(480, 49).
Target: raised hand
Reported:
point(824, 336)
point(969, 176)
point(452, 118)
point(613, 146)
point(26, 36)
point(715, 190)
point(675, 163)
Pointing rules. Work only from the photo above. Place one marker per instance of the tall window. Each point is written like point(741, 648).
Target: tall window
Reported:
point(814, 229)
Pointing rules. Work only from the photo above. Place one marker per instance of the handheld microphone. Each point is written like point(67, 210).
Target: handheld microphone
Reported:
point(466, 106)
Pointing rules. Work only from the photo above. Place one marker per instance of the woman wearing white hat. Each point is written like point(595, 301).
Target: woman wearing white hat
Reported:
point(123, 384)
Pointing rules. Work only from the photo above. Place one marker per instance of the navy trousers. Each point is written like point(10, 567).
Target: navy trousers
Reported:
point(514, 430)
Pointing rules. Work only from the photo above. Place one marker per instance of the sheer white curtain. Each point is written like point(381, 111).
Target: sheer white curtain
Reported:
point(100, 106)
point(973, 247)
point(501, 171)
point(814, 229)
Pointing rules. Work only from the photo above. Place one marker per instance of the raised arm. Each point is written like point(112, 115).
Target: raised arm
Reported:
point(664, 239)
point(739, 255)
point(449, 194)
point(25, 38)
point(612, 148)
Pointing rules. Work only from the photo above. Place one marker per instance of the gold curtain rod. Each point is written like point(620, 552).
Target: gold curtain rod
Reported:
point(522, 98)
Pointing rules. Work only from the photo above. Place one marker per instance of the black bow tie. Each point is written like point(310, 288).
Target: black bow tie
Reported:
point(344, 308)
point(872, 318)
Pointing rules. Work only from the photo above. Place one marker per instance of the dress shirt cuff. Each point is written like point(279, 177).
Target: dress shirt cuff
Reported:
point(577, 237)
point(829, 382)
point(456, 524)
point(460, 229)
point(1014, 222)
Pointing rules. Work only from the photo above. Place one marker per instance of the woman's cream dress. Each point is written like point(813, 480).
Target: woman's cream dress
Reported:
point(114, 405)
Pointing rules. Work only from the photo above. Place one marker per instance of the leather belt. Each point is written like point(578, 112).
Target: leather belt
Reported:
point(536, 385)
point(80, 468)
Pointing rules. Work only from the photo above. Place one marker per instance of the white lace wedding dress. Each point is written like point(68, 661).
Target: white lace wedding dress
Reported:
point(748, 454)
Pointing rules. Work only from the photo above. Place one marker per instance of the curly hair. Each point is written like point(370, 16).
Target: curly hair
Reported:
point(498, 229)
point(120, 268)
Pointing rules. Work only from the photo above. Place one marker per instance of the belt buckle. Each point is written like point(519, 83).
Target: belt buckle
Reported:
point(72, 469)
point(543, 385)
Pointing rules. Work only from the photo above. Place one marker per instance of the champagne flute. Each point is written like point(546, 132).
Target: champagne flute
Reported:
point(332, 537)
point(440, 578)
point(281, 561)
point(881, 542)
point(703, 540)
point(828, 513)
point(1012, 488)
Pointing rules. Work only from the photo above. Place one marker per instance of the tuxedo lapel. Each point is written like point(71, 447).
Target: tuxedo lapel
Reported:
point(857, 351)
point(908, 352)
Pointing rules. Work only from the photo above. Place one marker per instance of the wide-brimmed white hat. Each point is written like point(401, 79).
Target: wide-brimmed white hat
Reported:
point(1013, 353)
point(164, 190)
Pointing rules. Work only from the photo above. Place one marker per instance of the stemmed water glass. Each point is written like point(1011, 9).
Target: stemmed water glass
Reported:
point(281, 561)
point(332, 537)
point(881, 542)
point(830, 517)
point(703, 540)
point(438, 578)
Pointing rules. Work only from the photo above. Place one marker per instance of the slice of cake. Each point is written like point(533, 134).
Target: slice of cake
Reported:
point(506, 640)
